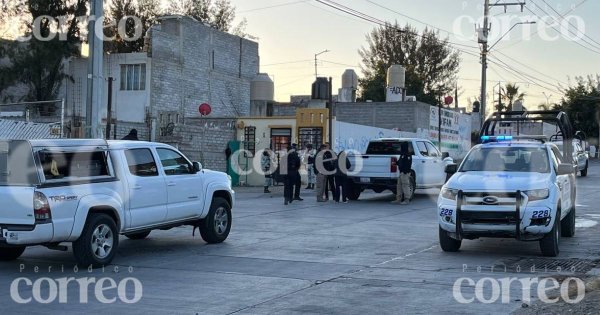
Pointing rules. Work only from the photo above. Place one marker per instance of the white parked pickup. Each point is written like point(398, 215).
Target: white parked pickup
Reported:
point(377, 170)
point(88, 192)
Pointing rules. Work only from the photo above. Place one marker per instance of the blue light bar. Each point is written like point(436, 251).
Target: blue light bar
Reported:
point(485, 139)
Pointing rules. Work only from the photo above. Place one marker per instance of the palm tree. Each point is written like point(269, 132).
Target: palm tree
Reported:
point(510, 94)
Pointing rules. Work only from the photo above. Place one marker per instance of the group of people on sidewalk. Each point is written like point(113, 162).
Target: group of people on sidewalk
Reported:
point(328, 172)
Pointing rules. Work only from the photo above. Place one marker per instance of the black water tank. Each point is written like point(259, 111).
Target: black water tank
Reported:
point(476, 107)
point(320, 89)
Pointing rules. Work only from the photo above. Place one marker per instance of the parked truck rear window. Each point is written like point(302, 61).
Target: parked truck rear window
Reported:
point(73, 165)
point(386, 148)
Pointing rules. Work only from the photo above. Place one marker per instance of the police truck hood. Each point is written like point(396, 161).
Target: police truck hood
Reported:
point(498, 181)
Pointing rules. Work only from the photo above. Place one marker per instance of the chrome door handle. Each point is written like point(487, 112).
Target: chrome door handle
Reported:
point(423, 161)
point(136, 187)
point(171, 184)
point(193, 197)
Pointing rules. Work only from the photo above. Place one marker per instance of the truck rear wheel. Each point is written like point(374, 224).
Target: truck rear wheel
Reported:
point(355, 192)
point(585, 170)
point(550, 243)
point(217, 224)
point(98, 242)
point(447, 243)
point(11, 253)
point(137, 236)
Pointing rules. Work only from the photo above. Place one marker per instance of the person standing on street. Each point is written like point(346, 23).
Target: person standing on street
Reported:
point(329, 162)
point(403, 189)
point(341, 177)
point(321, 178)
point(132, 135)
point(291, 177)
point(265, 165)
point(296, 175)
point(310, 162)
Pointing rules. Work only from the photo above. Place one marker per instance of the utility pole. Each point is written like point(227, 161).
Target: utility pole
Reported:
point(109, 108)
point(483, 40)
point(94, 82)
point(330, 112)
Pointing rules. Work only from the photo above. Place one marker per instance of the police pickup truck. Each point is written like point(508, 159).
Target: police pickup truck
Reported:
point(516, 187)
point(89, 192)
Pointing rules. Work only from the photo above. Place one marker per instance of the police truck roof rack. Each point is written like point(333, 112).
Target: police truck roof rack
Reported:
point(559, 118)
point(503, 138)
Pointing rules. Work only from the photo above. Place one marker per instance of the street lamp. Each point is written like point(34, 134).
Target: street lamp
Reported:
point(510, 29)
point(316, 55)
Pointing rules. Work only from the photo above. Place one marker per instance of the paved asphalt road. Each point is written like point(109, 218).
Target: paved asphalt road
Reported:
point(364, 257)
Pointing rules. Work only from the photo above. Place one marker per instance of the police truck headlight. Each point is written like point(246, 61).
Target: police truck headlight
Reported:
point(537, 194)
point(448, 193)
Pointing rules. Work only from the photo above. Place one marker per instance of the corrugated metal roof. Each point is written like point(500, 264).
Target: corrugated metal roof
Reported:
point(22, 130)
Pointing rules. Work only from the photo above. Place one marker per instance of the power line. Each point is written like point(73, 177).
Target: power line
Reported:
point(527, 77)
point(570, 23)
point(368, 18)
point(538, 31)
point(273, 6)
point(530, 68)
point(285, 63)
point(414, 19)
point(558, 31)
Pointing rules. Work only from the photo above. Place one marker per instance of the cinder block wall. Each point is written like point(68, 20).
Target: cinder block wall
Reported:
point(406, 116)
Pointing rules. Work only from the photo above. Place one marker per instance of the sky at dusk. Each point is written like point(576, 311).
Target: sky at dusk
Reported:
point(537, 57)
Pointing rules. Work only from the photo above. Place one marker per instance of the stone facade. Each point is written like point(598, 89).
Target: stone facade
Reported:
point(403, 116)
point(196, 64)
point(204, 140)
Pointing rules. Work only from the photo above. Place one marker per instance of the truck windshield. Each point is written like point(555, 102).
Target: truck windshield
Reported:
point(387, 147)
point(17, 167)
point(507, 159)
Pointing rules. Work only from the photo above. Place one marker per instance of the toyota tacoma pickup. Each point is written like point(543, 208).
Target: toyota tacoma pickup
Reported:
point(511, 187)
point(89, 192)
point(377, 169)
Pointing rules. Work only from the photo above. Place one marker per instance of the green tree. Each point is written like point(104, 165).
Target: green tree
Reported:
point(39, 63)
point(431, 63)
point(510, 94)
point(582, 103)
point(218, 14)
point(147, 11)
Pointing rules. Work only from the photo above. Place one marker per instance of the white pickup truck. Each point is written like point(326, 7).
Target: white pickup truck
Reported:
point(88, 192)
point(377, 170)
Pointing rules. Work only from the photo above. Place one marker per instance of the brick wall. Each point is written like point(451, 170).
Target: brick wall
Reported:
point(204, 140)
point(406, 116)
point(194, 64)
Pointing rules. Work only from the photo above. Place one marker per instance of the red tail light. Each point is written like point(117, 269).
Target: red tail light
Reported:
point(393, 166)
point(41, 207)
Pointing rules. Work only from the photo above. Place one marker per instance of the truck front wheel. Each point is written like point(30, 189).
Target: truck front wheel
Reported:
point(550, 243)
point(447, 243)
point(11, 253)
point(217, 224)
point(98, 242)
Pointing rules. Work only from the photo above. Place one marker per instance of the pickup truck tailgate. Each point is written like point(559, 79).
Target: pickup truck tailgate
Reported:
point(378, 166)
point(16, 206)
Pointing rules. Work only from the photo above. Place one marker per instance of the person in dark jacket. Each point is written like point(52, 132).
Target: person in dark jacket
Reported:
point(404, 191)
point(297, 178)
point(329, 161)
point(133, 135)
point(321, 178)
point(291, 176)
point(341, 177)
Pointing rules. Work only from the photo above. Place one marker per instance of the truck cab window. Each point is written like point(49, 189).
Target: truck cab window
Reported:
point(174, 163)
point(141, 162)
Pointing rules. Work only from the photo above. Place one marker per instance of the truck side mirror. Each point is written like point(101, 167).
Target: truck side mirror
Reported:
point(565, 169)
point(445, 155)
point(197, 166)
point(451, 169)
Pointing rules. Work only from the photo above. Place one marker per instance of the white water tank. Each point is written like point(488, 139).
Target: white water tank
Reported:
point(396, 76)
point(349, 79)
point(262, 88)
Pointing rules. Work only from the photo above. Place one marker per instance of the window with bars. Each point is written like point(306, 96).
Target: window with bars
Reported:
point(250, 139)
point(312, 136)
point(133, 77)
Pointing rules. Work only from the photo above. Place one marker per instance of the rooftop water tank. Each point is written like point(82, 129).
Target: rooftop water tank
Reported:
point(262, 88)
point(396, 76)
point(349, 79)
point(320, 89)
